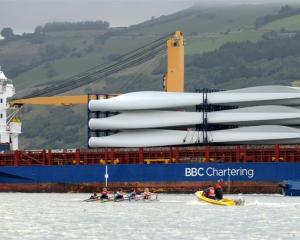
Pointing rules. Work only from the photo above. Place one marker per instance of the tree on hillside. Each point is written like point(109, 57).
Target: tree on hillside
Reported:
point(39, 30)
point(7, 33)
point(285, 9)
point(75, 26)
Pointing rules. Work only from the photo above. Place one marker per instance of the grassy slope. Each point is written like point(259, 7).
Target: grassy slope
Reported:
point(64, 67)
point(207, 44)
point(195, 20)
point(236, 21)
point(289, 24)
point(70, 66)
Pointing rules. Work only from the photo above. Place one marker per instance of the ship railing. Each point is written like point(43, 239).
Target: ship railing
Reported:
point(195, 154)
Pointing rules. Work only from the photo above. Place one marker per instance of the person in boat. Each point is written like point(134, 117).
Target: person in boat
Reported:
point(132, 194)
point(210, 192)
point(94, 196)
point(205, 191)
point(119, 195)
point(104, 194)
point(147, 194)
point(218, 190)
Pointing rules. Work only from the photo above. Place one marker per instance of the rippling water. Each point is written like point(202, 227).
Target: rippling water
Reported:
point(175, 216)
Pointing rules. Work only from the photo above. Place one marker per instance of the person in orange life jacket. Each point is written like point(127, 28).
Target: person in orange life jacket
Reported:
point(218, 190)
point(210, 192)
point(104, 194)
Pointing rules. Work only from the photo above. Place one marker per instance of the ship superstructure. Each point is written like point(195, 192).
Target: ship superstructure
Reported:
point(10, 126)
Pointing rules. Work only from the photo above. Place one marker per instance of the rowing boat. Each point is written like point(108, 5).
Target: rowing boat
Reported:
point(126, 198)
point(223, 202)
point(98, 200)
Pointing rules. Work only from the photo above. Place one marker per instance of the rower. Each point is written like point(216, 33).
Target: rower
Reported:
point(94, 196)
point(119, 195)
point(210, 192)
point(104, 194)
point(132, 194)
point(147, 194)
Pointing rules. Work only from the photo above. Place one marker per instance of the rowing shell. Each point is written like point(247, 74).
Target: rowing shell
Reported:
point(126, 198)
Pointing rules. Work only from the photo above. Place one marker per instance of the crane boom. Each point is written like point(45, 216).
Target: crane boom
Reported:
point(55, 100)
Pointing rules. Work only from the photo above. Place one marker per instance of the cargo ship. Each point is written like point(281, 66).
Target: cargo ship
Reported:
point(246, 137)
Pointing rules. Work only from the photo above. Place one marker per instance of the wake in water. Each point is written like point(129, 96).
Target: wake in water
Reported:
point(272, 204)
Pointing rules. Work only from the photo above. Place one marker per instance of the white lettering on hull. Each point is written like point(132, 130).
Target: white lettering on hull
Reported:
point(219, 172)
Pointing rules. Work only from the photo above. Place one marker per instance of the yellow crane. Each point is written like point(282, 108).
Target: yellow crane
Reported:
point(173, 80)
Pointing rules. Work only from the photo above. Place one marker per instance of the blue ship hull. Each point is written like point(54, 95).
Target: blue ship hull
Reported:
point(291, 188)
point(126, 173)
point(291, 192)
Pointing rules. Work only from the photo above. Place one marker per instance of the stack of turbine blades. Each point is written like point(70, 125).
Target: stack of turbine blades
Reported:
point(265, 115)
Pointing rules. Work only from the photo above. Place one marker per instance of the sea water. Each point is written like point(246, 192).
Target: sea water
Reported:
point(174, 216)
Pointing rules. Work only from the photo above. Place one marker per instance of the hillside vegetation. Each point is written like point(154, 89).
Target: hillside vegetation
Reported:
point(285, 24)
point(224, 49)
point(269, 61)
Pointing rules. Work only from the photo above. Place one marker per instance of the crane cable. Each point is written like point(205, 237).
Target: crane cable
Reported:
point(67, 86)
point(13, 114)
point(82, 80)
point(140, 73)
point(130, 59)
